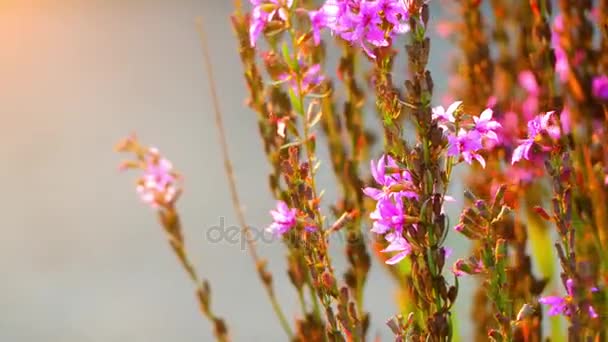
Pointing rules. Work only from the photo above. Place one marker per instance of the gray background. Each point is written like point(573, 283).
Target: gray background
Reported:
point(81, 258)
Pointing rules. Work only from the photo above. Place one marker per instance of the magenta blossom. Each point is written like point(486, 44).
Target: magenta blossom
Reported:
point(561, 305)
point(466, 144)
point(395, 183)
point(397, 243)
point(363, 22)
point(536, 127)
point(486, 126)
point(284, 219)
point(264, 11)
point(318, 21)
point(389, 215)
point(445, 116)
point(363, 28)
point(395, 12)
point(600, 87)
point(326, 17)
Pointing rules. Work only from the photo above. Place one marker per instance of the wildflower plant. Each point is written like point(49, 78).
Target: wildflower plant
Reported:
point(530, 123)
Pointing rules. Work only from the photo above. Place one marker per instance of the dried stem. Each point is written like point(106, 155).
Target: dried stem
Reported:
point(265, 276)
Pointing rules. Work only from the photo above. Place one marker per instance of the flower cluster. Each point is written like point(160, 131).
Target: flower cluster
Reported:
point(366, 23)
point(361, 22)
point(389, 218)
point(464, 139)
point(159, 185)
point(540, 126)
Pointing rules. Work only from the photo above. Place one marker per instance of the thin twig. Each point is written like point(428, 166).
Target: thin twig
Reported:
point(236, 203)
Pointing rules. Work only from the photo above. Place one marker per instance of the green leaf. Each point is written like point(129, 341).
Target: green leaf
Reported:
point(295, 102)
point(287, 57)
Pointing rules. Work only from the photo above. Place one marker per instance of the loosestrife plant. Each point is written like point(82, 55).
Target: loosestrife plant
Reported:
point(531, 122)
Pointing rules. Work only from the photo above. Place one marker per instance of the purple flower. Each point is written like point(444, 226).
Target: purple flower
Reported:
point(522, 151)
point(536, 127)
point(397, 243)
point(333, 11)
point(560, 305)
point(600, 87)
point(486, 126)
point(466, 144)
point(388, 215)
point(363, 22)
point(444, 116)
point(318, 21)
point(284, 219)
point(157, 186)
point(364, 27)
point(263, 12)
point(394, 183)
point(557, 305)
point(395, 12)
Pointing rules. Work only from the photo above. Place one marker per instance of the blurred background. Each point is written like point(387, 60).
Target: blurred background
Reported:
point(82, 259)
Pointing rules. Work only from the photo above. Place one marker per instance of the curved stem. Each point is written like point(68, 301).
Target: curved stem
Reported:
point(236, 203)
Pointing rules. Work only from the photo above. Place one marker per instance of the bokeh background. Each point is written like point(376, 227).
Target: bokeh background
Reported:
point(81, 258)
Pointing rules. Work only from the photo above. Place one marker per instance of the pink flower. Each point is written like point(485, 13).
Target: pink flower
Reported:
point(560, 305)
point(397, 243)
point(557, 305)
point(395, 12)
point(536, 126)
point(158, 185)
point(284, 219)
point(389, 215)
point(486, 126)
point(318, 20)
point(264, 11)
point(444, 116)
point(392, 184)
point(466, 144)
point(363, 28)
point(362, 22)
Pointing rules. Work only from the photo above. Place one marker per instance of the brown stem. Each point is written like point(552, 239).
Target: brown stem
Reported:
point(265, 276)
